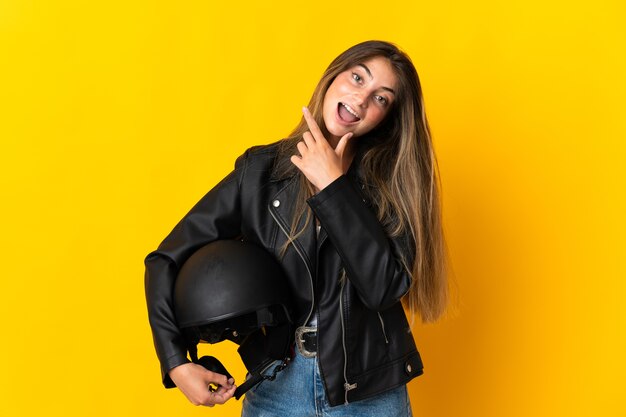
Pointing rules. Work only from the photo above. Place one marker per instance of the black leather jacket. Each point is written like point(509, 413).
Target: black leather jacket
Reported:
point(365, 345)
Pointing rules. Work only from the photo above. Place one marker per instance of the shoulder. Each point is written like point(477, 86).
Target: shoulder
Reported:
point(258, 162)
point(260, 154)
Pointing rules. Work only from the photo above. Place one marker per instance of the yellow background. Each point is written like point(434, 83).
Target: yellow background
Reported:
point(116, 117)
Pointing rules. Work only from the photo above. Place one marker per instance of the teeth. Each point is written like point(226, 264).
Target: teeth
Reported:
point(350, 110)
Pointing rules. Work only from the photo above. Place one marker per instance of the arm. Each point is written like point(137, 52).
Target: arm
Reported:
point(216, 216)
point(371, 258)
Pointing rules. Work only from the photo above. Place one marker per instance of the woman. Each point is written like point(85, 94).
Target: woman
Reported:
point(349, 204)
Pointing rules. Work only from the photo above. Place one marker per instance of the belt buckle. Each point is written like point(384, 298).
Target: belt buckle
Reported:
point(300, 331)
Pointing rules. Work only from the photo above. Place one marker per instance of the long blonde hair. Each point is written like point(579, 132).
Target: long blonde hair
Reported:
point(406, 191)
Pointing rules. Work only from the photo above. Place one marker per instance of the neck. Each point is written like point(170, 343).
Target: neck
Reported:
point(348, 156)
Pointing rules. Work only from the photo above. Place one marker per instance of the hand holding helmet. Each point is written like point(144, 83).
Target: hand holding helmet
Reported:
point(193, 380)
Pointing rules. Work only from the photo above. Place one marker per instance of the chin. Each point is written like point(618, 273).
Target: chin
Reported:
point(337, 130)
point(340, 133)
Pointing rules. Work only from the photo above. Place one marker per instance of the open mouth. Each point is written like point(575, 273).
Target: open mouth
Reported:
point(347, 113)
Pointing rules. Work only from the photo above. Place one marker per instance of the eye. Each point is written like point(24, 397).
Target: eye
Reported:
point(356, 77)
point(381, 100)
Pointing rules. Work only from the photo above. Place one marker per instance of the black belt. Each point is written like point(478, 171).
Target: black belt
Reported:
point(306, 341)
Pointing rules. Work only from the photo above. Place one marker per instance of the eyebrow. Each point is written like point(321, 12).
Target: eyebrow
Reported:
point(371, 77)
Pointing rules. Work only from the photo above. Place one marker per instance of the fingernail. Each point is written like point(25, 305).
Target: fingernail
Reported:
point(304, 109)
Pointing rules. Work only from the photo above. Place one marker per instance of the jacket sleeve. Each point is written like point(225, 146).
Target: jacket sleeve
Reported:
point(216, 216)
point(370, 257)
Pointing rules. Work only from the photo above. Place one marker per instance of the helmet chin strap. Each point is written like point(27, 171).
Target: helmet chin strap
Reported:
point(276, 343)
point(258, 375)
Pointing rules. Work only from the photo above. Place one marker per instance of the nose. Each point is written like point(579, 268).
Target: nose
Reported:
point(359, 99)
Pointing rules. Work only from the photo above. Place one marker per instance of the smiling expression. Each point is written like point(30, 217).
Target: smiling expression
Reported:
point(359, 98)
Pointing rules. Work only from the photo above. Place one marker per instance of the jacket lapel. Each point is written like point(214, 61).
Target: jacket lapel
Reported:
point(282, 206)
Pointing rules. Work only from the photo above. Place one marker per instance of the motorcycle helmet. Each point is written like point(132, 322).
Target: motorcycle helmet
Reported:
point(235, 290)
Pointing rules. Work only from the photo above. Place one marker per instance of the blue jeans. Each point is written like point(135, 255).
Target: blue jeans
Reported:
point(298, 391)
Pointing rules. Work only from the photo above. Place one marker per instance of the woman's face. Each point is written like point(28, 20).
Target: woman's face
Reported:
point(359, 99)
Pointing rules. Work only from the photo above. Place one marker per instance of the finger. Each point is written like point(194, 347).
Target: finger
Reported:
point(215, 378)
point(220, 398)
point(221, 390)
point(313, 127)
point(343, 142)
point(308, 139)
point(297, 161)
point(225, 388)
point(302, 148)
point(231, 392)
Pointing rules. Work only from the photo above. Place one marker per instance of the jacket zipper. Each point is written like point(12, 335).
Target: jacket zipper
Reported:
point(346, 386)
point(282, 228)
